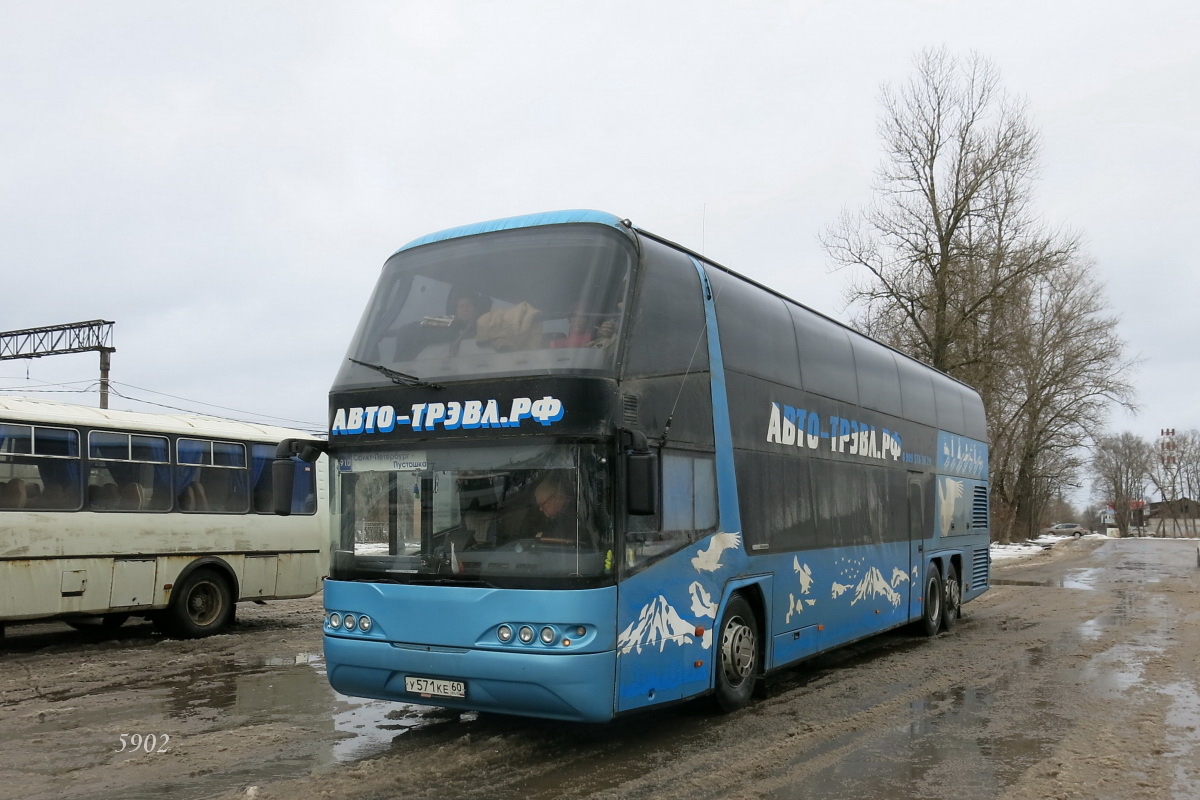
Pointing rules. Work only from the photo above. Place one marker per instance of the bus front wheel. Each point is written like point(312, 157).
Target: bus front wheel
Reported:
point(200, 606)
point(931, 618)
point(737, 666)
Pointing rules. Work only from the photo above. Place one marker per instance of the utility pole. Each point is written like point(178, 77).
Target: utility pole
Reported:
point(56, 340)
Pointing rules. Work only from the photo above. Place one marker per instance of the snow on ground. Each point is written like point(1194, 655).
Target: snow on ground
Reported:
point(1034, 546)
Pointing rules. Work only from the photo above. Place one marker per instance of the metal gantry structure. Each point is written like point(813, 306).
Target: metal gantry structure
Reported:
point(55, 340)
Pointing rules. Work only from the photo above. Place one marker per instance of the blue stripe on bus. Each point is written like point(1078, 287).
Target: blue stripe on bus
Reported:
point(727, 497)
point(525, 221)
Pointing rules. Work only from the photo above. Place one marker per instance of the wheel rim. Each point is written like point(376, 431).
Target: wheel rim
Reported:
point(737, 651)
point(953, 595)
point(204, 604)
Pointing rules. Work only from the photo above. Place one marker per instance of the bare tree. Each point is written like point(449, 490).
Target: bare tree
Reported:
point(954, 268)
point(1174, 472)
point(948, 237)
point(1120, 466)
point(1060, 373)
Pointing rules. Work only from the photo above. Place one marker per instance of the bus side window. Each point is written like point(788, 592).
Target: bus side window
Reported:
point(668, 327)
point(689, 510)
point(743, 313)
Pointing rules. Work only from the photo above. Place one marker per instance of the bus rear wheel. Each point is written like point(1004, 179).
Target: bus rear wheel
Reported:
point(737, 654)
point(931, 617)
point(952, 592)
point(200, 606)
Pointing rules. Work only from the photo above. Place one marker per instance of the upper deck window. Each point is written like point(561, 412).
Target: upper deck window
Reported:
point(517, 302)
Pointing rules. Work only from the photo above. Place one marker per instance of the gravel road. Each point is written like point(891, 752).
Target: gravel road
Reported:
point(1075, 676)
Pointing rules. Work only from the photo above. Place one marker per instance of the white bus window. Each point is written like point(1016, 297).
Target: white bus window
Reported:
point(212, 477)
point(39, 468)
point(128, 472)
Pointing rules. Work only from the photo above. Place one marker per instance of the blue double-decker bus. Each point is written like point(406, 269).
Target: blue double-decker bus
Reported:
point(579, 471)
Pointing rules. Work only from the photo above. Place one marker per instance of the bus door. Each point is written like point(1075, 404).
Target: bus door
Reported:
point(918, 534)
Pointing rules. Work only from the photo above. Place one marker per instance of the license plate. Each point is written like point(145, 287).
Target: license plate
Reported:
point(435, 687)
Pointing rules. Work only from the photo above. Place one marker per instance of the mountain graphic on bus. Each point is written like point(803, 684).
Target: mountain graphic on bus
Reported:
point(873, 584)
point(657, 624)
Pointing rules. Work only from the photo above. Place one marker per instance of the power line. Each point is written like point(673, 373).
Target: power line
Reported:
point(90, 388)
point(304, 423)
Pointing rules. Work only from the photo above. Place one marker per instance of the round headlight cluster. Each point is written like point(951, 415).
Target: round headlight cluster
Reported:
point(546, 634)
point(349, 622)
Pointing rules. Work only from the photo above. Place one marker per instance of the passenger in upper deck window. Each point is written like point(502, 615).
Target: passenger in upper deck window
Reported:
point(416, 336)
point(608, 330)
point(580, 332)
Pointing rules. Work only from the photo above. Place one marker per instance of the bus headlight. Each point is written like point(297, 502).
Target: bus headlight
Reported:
point(548, 635)
point(525, 634)
point(364, 623)
point(504, 633)
point(348, 622)
point(335, 620)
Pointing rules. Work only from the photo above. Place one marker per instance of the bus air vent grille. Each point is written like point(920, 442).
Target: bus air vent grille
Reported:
point(629, 409)
point(979, 567)
point(979, 508)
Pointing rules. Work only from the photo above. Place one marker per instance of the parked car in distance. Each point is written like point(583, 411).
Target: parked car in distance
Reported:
point(1065, 529)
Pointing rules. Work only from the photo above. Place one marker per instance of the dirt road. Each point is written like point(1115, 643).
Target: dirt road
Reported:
point(1074, 677)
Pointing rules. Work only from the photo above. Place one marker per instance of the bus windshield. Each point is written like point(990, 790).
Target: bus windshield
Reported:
point(516, 302)
point(527, 516)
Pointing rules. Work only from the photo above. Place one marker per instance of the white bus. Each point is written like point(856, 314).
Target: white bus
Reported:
point(113, 514)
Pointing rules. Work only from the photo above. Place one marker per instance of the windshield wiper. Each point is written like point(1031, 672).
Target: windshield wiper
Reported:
point(401, 378)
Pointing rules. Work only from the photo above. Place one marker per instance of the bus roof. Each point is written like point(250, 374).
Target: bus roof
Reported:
point(525, 221)
point(50, 412)
point(624, 225)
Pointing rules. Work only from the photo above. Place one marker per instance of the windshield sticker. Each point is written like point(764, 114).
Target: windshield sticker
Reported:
point(450, 416)
point(385, 461)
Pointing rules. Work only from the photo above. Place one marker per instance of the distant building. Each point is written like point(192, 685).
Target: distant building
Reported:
point(1173, 518)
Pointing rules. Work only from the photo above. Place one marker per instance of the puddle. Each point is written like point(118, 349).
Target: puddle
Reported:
point(1183, 735)
point(1076, 579)
point(943, 730)
point(286, 699)
point(1081, 579)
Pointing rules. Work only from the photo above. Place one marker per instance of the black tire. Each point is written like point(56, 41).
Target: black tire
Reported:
point(951, 598)
point(737, 655)
point(200, 606)
point(931, 616)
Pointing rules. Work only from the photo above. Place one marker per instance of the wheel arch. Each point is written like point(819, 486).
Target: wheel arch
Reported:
point(941, 559)
point(755, 593)
point(218, 565)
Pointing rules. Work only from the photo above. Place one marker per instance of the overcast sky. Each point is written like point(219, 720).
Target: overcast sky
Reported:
point(225, 179)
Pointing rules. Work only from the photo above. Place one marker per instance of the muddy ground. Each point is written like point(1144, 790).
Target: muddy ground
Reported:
point(1074, 677)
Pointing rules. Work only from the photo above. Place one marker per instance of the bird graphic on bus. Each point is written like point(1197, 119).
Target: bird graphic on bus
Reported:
point(804, 574)
point(709, 559)
point(950, 492)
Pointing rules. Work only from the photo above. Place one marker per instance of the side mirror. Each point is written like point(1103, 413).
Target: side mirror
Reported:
point(641, 483)
point(283, 470)
point(283, 477)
